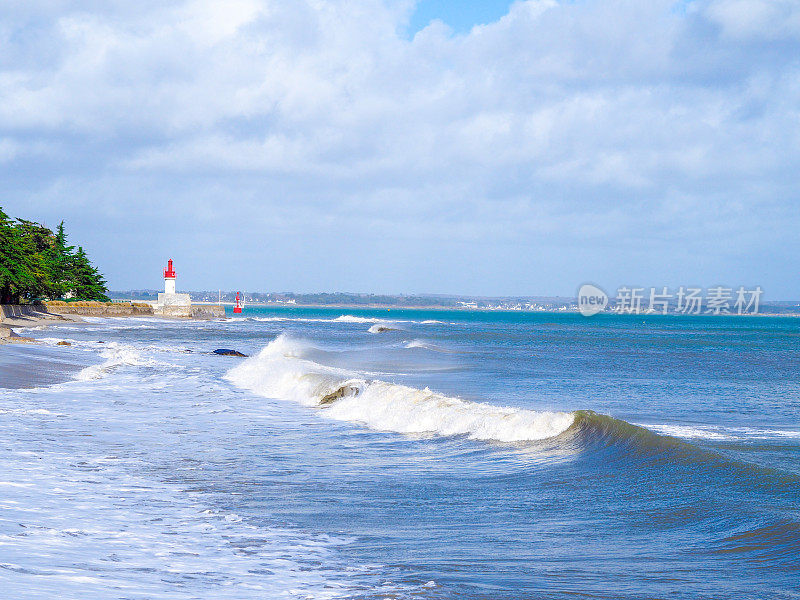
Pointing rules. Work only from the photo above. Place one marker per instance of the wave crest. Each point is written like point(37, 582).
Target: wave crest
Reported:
point(281, 370)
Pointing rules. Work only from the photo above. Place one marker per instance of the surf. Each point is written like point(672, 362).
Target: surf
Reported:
point(283, 370)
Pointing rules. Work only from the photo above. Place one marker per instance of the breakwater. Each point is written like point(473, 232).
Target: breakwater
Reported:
point(108, 309)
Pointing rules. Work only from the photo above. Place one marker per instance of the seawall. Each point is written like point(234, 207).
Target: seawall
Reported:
point(53, 310)
point(100, 309)
point(15, 311)
point(135, 309)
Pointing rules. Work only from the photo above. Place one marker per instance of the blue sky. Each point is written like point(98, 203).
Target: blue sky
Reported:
point(460, 16)
point(395, 147)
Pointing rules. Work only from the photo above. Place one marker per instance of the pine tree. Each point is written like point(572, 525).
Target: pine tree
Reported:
point(9, 258)
point(36, 263)
point(37, 244)
point(17, 271)
point(87, 281)
point(61, 259)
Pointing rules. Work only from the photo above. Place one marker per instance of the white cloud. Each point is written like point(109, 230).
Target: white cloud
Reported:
point(759, 19)
point(558, 120)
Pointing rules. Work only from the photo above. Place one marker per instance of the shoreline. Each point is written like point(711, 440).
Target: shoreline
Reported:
point(42, 319)
point(28, 366)
point(26, 363)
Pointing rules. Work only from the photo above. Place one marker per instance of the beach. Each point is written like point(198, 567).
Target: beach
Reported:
point(26, 364)
point(355, 453)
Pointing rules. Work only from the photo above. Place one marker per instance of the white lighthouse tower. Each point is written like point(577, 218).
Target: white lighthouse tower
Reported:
point(171, 303)
point(169, 278)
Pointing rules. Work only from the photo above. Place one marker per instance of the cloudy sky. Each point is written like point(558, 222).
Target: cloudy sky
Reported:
point(399, 146)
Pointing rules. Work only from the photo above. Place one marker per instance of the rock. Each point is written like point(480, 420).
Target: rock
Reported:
point(228, 352)
point(63, 343)
point(381, 329)
point(343, 392)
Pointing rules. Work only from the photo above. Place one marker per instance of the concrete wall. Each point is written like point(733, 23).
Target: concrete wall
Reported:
point(8, 311)
point(207, 311)
point(174, 299)
point(112, 309)
point(101, 309)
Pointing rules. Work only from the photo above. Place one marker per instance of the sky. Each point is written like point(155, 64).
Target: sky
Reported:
point(393, 146)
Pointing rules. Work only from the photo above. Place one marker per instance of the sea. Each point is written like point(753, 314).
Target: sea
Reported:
point(406, 454)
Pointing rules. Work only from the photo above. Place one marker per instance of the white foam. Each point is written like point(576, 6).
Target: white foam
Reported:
point(416, 344)
point(352, 319)
point(720, 433)
point(116, 355)
point(339, 319)
point(281, 371)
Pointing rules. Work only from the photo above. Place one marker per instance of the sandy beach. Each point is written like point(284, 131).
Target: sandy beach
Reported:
point(24, 363)
point(25, 366)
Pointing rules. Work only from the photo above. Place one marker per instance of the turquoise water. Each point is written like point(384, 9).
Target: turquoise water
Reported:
point(411, 454)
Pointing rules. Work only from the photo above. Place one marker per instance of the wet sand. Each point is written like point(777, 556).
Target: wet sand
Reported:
point(26, 364)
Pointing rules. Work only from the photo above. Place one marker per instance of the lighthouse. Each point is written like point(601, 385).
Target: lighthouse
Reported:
point(175, 305)
point(169, 278)
point(171, 303)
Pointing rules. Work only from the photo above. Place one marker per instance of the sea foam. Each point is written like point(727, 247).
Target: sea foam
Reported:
point(281, 370)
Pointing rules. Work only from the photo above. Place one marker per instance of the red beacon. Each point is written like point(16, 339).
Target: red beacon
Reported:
point(236, 309)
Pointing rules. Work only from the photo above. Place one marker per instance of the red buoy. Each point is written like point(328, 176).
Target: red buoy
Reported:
point(237, 309)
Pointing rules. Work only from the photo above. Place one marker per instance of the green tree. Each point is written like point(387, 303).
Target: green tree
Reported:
point(87, 281)
point(61, 258)
point(37, 245)
point(16, 274)
point(36, 263)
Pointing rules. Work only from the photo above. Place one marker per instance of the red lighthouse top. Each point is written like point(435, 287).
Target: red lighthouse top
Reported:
point(169, 272)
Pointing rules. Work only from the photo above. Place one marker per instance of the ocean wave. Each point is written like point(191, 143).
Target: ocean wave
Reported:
point(417, 343)
point(116, 355)
point(777, 541)
point(281, 370)
point(721, 433)
point(339, 319)
point(353, 319)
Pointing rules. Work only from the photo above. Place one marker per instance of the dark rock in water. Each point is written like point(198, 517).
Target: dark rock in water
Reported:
point(228, 352)
point(63, 343)
point(345, 391)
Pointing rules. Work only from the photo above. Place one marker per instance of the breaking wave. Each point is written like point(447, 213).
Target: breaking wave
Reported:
point(116, 355)
point(352, 319)
point(284, 370)
point(281, 370)
point(719, 433)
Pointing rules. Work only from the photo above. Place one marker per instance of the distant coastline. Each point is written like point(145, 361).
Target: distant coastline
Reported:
point(352, 301)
